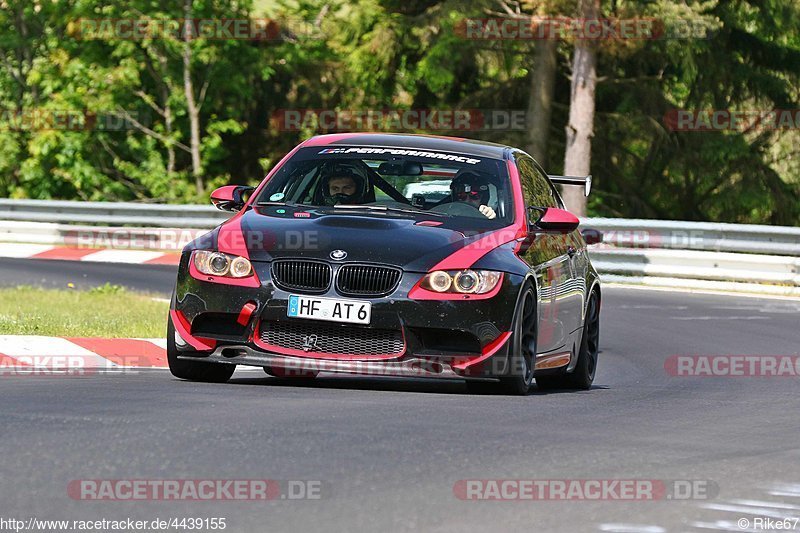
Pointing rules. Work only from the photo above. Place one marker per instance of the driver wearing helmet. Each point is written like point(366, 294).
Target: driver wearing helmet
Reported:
point(471, 188)
point(343, 186)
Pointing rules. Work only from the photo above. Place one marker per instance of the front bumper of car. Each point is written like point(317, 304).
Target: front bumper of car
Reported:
point(236, 324)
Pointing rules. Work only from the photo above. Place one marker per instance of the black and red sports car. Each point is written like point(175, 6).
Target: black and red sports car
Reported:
point(397, 255)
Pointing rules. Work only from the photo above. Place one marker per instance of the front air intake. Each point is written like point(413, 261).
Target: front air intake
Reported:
point(301, 275)
point(367, 280)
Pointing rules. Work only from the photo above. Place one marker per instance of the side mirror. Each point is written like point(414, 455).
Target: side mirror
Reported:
point(230, 197)
point(592, 236)
point(556, 220)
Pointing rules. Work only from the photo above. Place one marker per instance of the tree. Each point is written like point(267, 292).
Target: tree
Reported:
point(195, 112)
point(580, 128)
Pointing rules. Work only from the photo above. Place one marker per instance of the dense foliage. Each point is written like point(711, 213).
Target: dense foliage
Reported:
point(125, 108)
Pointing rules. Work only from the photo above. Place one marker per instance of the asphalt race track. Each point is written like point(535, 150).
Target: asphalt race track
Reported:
point(387, 453)
point(58, 274)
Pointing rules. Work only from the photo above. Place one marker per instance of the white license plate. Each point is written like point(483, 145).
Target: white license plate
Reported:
point(332, 309)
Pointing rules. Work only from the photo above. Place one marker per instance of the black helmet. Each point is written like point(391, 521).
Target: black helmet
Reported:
point(343, 171)
point(467, 185)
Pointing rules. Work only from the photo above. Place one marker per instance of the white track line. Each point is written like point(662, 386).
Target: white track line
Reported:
point(50, 352)
point(22, 251)
point(121, 256)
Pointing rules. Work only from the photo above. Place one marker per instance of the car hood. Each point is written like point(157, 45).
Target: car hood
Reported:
point(282, 232)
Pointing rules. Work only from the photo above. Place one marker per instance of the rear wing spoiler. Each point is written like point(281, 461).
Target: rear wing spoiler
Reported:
point(586, 182)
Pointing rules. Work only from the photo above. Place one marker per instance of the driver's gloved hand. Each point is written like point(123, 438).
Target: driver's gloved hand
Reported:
point(487, 211)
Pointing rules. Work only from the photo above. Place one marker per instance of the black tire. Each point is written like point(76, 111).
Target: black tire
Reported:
point(194, 370)
point(523, 345)
point(278, 372)
point(583, 375)
point(523, 351)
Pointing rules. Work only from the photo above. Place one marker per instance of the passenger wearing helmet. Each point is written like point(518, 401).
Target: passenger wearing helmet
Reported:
point(471, 188)
point(343, 186)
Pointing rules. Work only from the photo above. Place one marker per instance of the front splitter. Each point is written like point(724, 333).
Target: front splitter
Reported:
point(299, 366)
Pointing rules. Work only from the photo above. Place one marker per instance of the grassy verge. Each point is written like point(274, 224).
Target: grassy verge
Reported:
point(108, 311)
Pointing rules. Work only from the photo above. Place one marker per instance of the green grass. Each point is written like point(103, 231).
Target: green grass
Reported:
point(107, 311)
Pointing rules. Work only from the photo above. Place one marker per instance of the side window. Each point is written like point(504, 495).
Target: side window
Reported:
point(555, 196)
point(535, 187)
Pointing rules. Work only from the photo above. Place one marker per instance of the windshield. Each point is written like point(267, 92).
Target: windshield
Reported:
point(467, 190)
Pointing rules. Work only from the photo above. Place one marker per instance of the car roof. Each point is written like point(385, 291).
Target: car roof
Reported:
point(419, 142)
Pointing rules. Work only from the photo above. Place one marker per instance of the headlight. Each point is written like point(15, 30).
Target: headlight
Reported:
point(462, 281)
point(439, 281)
point(466, 281)
point(220, 264)
point(240, 267)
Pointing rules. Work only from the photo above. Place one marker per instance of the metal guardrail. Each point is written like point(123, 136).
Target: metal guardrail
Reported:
point(666, 253)
point(689, 264)
point(708, 236)
point(698, 255)
point(112, 213)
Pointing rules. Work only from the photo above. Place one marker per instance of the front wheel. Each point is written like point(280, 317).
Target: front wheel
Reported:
point(523, 351)
point(194, 370)
point(523, 346)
